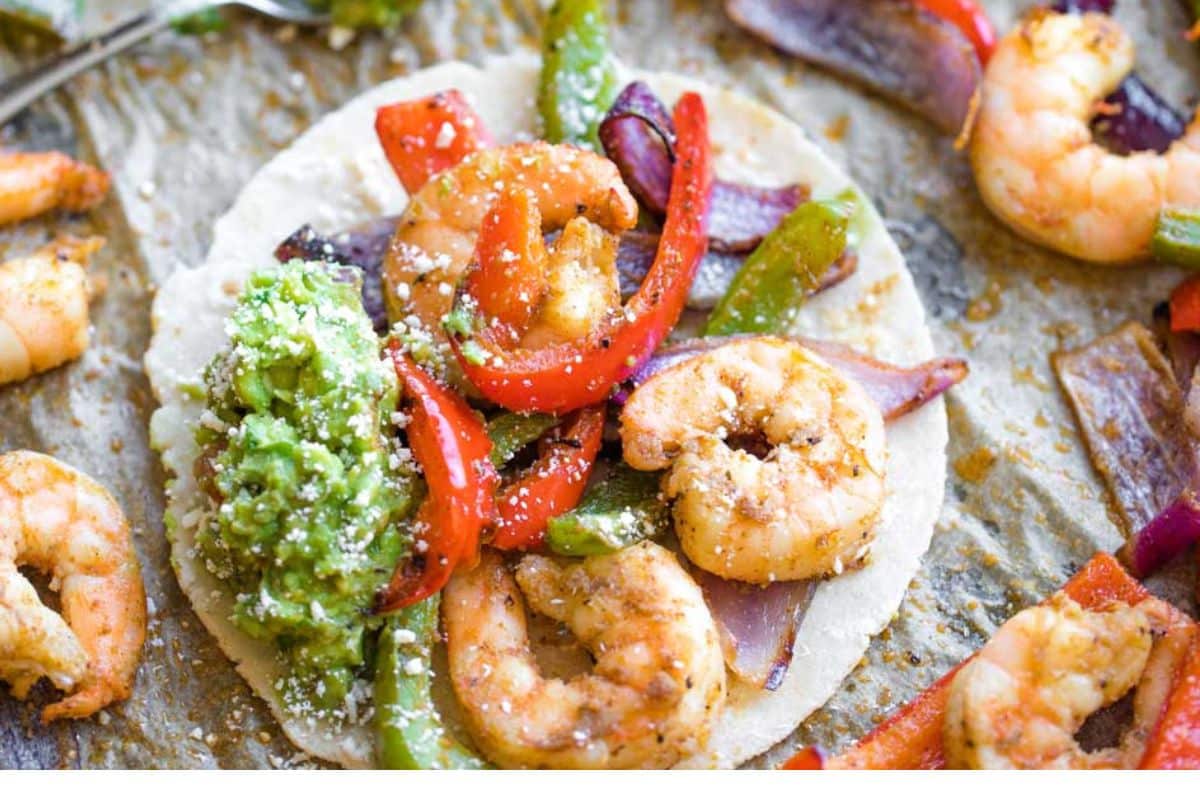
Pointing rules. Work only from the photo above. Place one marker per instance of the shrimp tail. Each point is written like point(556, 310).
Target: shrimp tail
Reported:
point(109, 632)
point(35, 183)
point(82, 186)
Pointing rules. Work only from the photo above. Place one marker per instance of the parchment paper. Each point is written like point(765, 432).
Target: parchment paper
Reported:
point(183, 122)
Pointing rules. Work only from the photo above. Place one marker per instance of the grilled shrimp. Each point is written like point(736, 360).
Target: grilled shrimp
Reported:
point(808, 507)
point(44, 308)
point(658, 684)
point(1020, 701)
point(34, 183)
point(435, 238)
point(61, 522)
point(582, 285)
point(1035, 161)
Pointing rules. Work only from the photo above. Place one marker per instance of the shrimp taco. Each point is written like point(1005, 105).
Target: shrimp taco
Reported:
point(521, 368)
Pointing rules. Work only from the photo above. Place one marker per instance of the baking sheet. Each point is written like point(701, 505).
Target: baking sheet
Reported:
point(183, 122)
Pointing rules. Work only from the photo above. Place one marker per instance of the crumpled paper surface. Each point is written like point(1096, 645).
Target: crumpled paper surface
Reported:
point(183, 122)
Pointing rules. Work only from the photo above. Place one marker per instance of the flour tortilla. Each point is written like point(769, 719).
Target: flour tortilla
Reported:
point(335, 176)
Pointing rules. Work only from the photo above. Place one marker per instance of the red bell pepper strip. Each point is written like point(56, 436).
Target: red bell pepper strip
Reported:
point(909, 739)
point(912, 737)
point(1175, 743)
point(553, 485)
point(425, 136)
point(582, 373)
point(1103, 581)
point(1185, 306)
point(970, 19)
point(808, 758)
point(510, 277)
point(451, 444)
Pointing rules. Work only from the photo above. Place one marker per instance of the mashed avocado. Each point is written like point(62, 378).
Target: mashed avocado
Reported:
point(310, 490)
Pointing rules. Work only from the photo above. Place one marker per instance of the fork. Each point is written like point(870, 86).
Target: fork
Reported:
point(18, 92)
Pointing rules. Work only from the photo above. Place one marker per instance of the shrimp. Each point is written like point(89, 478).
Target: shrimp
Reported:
point(804, 510)
point(34, 183)
point(435, 238)
point(658, 684)
point(1035, 161)
point(59, 521)
point(1020, 701)
point(44, 308)
point(582, 286)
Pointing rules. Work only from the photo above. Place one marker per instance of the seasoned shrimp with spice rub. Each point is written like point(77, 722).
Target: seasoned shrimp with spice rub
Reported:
point(804, 509)
point(58, 521)
point(1019, 703)
point(1036, 162)
point(34, 183)
point(44, 308)
point(436, 237)
point(658, 684)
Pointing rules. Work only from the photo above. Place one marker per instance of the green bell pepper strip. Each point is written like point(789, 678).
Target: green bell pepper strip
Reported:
point(510, 432)
point(209, 20)
point(1177, 236)
point(786, 266)
point(615, 513)
point(366, 13)
point(578, 81)
point(409, 730)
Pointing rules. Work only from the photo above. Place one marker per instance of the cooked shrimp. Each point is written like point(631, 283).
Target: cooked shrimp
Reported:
point(804, 510)
point(658, 684)
point(1036, 163)
point(44, 308)
point(435, 238)
point(582, 286)
point(1020, 701)
point(34, 183)
point(61, 522)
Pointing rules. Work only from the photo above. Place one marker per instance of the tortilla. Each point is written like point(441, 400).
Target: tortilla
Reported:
point(335, 176)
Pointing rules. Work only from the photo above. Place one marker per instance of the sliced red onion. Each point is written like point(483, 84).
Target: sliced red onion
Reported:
point(639, 137)
point(741, 215)
point(1084, 6)
point(1138, 118)
point(1141, 120)
point(1172, 531)
point(1131, 414)
point(892, 46)
point(363, 247)
point(636, 253)
point(757, 624)
point(896, 390)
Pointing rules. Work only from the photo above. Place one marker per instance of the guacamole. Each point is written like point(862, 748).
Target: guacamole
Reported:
point(310, 489)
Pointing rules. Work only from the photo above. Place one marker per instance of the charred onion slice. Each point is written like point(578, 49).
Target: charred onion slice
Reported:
point(891, 46)
point(896, 390)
